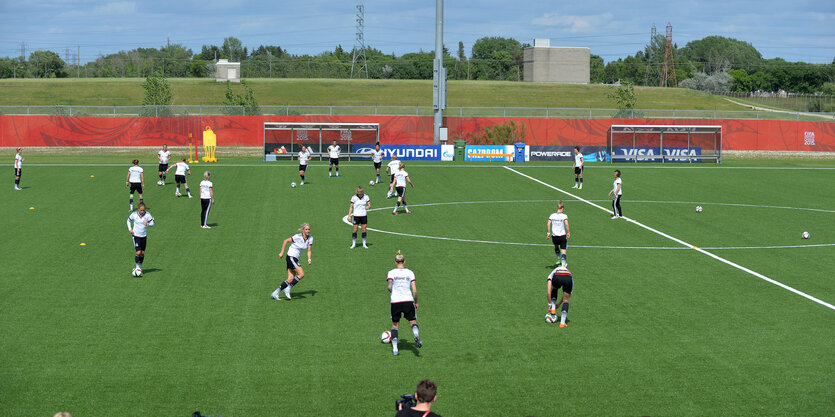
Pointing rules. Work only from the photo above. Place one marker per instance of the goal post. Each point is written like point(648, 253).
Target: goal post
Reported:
point(284, 139)
point(665, 143)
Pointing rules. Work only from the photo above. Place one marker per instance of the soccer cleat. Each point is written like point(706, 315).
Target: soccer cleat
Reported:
point(189, 196)
point(287, 293)
point(364, 246)
point(408, 212)
point(353, 245)
point(275, 296)
point(18, 189)
point(614, 217)
point(177, 195)
point(575, 186)
point(580, 187)
point(418, 342)
point(394, 212)
point(563, 325)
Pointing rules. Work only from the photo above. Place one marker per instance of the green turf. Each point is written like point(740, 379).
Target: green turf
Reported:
point(651, 331)
point(333, 92)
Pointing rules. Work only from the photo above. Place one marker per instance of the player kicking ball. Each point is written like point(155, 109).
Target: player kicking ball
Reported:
point(401, 285)
point(560, 277)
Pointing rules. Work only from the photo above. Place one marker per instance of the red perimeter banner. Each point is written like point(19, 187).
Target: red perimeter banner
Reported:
point(30, 131)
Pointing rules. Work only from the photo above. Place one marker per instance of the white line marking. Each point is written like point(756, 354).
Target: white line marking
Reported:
point(474, 165)
point(681, 242)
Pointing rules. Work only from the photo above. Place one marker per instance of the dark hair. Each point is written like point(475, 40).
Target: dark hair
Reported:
point(136, 162)
point(426, 391)
point(618, 171)
point(577, 148)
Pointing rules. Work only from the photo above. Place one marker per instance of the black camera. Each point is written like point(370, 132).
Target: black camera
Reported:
point(405, 401)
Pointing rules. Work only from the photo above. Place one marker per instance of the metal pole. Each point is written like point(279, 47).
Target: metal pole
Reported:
point(439, 64)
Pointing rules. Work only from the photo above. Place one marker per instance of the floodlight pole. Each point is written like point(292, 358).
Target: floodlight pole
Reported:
point(439, 72)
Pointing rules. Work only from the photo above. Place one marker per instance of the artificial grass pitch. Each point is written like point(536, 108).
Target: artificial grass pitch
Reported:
point(654, 328)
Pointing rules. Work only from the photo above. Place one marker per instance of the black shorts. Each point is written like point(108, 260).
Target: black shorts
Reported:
point(392, 178)
point(292, 263)
point(139, 242)
point(377, 165)
point(401, 191)
point(163, 167)
point(360, 219)
point(334, 161)
point(561, 281)
point(559, 241)
point(136, 187)
point(179, 179)
point(578, 170)
point(18, 171)
point(302, 168)
point(406, 309)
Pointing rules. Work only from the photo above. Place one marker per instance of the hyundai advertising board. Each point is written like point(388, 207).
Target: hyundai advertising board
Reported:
point(404, 152)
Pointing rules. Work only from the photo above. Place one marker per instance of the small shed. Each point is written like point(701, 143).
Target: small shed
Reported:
point(227, 71)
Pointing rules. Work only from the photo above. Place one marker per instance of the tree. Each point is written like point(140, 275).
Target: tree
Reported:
point(497, 58)
point(233, 49)
point(235, 102)
point(719, 53)
point(625, 99)
point(210, 53)
point(157, 93)
point(595, 69)
point(46, 64)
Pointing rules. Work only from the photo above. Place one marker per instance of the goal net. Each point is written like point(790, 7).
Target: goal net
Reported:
point(284, 140)
point(665, 143)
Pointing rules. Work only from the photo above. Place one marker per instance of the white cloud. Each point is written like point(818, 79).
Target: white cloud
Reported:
point(585, 23)
point(113, 9)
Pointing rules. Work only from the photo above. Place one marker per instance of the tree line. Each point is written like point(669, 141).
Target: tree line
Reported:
point(714, 63)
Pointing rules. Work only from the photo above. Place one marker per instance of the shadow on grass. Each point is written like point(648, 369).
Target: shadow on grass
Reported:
point(301, 295)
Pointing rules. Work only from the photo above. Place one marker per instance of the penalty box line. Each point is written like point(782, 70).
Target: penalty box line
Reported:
point(681, 242)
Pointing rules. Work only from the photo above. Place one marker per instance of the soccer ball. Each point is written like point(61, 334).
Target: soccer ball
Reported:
point(159, 182)
point(371, 183)
point(292, 185)
point(137, 272)
point(551, 318)
point(385, 337)
point(698, 209)
point(805, 235)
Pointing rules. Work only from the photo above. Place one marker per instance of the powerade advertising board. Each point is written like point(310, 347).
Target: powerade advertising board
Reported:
point(404, 152)
point(566, 153)
point(653, 154)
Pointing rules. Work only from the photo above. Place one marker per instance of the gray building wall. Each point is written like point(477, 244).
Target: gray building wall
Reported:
point(557, 65)
point(227, 71)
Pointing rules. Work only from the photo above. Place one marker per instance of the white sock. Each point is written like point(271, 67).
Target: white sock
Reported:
point(562, 319)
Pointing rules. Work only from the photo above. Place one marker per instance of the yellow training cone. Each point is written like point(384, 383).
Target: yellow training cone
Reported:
point(82, 244)
point(92, 176)
point(31, 208)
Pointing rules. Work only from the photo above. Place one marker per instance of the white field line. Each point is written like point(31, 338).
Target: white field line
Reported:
point(683, 243)
point(367, 164)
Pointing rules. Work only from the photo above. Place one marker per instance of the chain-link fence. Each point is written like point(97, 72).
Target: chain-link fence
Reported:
point(501, 112)
point(814, 103)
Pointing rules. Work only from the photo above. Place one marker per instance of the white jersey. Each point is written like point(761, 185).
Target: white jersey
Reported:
point(18, 161)
point(163, 156)
point(578, 160)
point(135, 174)
point(139, 227)
point(558, 224)
point(333, 151)
point(615, 187)
point(377, 156)
point(400, 178)
point(393, 166)
point(401, 284)
point(182, 167)
point(304, 157)
point(360, 204)
point(205, 189)
point(299, 244)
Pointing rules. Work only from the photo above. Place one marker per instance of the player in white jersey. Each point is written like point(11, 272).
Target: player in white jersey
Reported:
point(377, 158)
point(304, 157)
point(400, 179)
point(358, 208)
point(163, 157)
point(180, 176)
point(560, 277)
point(18, 168)
point(616, 193)
point(333, 154)
point(141, 221)
point(207, 198)
point(298, 242)
point(578, 168)
point(135, 181)
point(392, 167)
point(401, 285)
point(559, 233)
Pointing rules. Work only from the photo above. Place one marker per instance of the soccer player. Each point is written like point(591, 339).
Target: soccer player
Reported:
point(377, 158)
point(299, 242)
point(616, 193)
point(578, 168)
point(400, 178)
point(135, 181)
point(392, 167)
point(207, 198)
point(141, 221)
point(333, 154)
point(304, 157)
point(18, 168)
point(559, 233)
point(401, 285)
point(163, 157)
point(180, 176)
point(358, 208)
point(560, 277)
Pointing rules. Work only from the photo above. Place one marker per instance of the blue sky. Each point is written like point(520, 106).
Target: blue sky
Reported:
point(796, 30)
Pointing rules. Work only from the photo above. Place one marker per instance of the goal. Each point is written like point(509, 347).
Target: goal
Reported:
point(284, 139)
point(665, 143)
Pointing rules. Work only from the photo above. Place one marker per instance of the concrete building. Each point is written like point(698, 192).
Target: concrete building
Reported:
point(549, 64)
point(227, 71)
